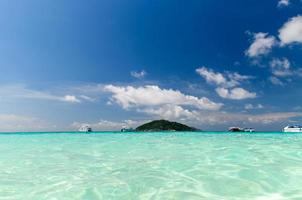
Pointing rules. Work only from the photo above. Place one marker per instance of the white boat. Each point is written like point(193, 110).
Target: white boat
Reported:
point(293, 129)
point(85, 128)
point(250, 130)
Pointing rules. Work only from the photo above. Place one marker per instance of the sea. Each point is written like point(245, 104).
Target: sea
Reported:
point(162, 165)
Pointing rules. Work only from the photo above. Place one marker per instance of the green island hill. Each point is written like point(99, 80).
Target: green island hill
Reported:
point(164, 125)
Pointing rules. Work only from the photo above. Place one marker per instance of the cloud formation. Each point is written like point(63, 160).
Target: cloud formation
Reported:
point(71, 99)
point(152, 95)
point(226, 81)
point(235, 93)
point(261, 45)
point(155, 101)
point(291, 31)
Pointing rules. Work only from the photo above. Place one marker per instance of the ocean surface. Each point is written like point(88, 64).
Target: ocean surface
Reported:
point(59, 166)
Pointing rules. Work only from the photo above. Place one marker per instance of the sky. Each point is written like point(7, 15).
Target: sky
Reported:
point(113, 64)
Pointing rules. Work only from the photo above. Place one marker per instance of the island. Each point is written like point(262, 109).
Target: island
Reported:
point(164, 125)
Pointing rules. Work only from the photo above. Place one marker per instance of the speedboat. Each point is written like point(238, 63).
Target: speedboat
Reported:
point(85, 129)
point(293, 129)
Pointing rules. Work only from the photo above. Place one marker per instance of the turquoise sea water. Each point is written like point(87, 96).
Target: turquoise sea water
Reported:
point(60, 166)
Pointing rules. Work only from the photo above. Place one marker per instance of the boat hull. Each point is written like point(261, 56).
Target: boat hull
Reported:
point(292, 130)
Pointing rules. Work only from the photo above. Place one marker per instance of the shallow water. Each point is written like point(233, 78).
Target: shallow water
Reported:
point(150, 166)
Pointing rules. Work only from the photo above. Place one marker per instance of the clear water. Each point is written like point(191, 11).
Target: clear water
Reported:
point(150, 166)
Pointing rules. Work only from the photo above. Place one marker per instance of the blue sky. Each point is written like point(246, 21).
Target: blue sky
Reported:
point(210, 64)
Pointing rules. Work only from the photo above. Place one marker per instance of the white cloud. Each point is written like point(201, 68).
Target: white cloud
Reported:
point(226, 79)
point(275, 81)
point(251, 106)
point(291, 31)
point(262, 45)
point(225, 82)
point(152, 95)
point(283, 3)
point(140, 74)
point(211, 76)
point(71, 99)
point(160, 103)
point(281, 67)
point(235, 94)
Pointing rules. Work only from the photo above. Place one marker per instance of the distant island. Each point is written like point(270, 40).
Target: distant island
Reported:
point(164, 125)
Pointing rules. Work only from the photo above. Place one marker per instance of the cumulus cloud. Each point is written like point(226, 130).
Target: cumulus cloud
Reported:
point(138, 74)
point(291, 31)
point(281, 67)
point(160, 103)
point(261, 45)
point(152, 95)
point(235, 93)
point(283, 3)
point(211, 76)
point(226, 79)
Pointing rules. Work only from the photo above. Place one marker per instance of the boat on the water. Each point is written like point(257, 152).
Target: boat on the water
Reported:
point(250, 130)
point(293, 129)
point(125, 129)
point(85, 129)
point(235, 129)
point(238, 129)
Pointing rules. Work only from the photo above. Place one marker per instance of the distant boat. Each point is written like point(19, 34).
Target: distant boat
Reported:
point(235, 129)
point(293, 129)
point(238, 129)
point(124, 129)
point(249, 130)
point(85, 129)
